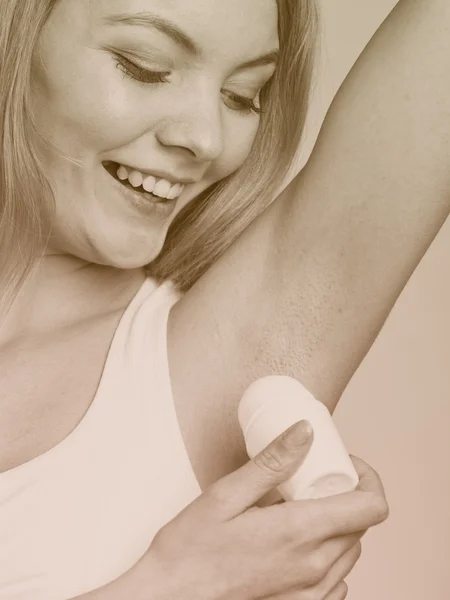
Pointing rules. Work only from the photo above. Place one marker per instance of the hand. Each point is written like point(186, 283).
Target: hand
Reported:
point(222, 547)
point(332, 586)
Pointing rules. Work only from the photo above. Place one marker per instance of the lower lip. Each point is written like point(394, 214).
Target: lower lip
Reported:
point(144, 202)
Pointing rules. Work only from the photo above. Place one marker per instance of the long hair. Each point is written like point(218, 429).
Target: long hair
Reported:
point(26, 198)
point(208, 225)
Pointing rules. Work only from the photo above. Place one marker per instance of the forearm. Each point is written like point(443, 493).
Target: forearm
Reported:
point(124, 587)
point(355, 223)
point(143, 582)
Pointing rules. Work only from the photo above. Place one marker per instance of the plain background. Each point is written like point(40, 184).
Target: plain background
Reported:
point(395, 413)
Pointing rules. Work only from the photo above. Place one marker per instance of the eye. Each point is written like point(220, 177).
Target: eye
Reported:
point(138, 73)
point(241, 103)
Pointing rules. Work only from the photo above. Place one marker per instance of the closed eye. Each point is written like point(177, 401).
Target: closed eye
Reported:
point(146, 76)
point(242, 103)
point(138, 73)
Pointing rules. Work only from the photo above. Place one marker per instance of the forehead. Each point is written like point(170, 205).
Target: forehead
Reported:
point(247, 26)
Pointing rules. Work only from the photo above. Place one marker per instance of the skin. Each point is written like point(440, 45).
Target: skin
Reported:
point(195, 126)
point(321, 316)
point(322, 296)
point(191, 126)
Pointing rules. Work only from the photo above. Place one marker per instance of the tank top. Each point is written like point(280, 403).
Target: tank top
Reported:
point(83, 513)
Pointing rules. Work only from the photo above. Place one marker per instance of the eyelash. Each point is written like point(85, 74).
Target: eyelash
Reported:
point(140, 74)
point(137, 73)
point(247, 105)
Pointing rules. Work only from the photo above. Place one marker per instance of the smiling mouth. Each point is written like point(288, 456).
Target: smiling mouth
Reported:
point(113, 167)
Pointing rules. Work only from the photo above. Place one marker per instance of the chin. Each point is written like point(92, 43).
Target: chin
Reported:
point(128, 258)
point(129, 251)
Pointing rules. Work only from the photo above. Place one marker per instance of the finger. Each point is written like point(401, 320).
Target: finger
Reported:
point(332, 586)
point(339, 593)
point(369, 480)
point(326, 567)
point(336, 516)
point(331, 551)
point(233, 494)
point(273, 497)
point(338, 572)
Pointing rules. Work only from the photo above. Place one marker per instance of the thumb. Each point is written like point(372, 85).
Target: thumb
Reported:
point(235, 493)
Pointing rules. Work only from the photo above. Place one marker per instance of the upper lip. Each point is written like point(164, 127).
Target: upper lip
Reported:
point(168, 176)
point(162, 174)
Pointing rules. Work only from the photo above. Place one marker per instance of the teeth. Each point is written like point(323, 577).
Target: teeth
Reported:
point(162, 188)
point(174, 192)
point(156, 185)
point(135, 178)
point(122, 173)
point(149, 184)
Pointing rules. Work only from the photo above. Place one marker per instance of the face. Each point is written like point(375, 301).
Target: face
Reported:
point(156, 100)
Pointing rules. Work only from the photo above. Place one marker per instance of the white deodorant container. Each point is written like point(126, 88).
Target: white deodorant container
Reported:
point(273, 404)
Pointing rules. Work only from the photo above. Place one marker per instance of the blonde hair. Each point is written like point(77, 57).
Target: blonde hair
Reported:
point(24, 218)
point(212, 222)
point(207, 226)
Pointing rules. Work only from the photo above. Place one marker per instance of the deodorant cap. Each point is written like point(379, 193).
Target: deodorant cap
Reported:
point(273, 404)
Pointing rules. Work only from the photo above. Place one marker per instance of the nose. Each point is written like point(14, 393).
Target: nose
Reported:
point(197, 130)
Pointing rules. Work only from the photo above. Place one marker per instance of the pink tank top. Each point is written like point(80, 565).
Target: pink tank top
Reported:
point(83, 513)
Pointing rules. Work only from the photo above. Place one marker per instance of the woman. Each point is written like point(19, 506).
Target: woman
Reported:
point(113, 95)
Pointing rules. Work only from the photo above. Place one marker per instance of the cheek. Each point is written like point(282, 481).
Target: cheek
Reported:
point(84, 110)
point(238, 142)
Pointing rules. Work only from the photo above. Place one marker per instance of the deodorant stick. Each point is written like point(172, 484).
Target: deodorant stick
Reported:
point(269, 407)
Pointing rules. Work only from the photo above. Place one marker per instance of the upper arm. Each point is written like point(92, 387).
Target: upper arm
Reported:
point(308, 286)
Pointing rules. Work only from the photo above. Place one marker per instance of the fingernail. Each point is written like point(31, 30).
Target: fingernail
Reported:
point(297, 435)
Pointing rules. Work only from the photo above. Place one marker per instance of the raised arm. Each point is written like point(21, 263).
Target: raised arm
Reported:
point(308, 286)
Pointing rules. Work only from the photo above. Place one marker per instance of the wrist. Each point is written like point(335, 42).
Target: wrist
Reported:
point(183, 580)
point(149, 580)
point(144, 581)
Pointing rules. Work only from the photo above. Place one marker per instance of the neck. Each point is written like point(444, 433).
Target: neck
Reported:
point(62, 289)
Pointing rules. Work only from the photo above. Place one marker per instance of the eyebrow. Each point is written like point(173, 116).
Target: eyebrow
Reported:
point(268, 59)
point(146, 19)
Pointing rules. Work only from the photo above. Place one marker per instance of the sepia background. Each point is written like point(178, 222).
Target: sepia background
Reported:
point(395, 413)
